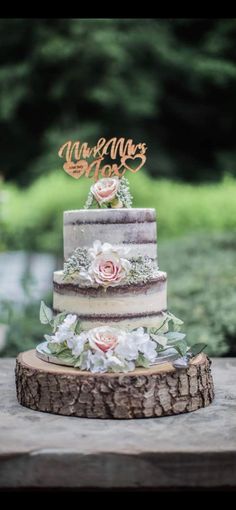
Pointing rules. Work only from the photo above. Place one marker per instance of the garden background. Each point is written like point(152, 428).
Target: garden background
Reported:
point(168, 82)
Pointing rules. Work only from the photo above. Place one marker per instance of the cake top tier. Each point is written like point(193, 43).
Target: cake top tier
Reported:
point(134, 215)
point(133, 227)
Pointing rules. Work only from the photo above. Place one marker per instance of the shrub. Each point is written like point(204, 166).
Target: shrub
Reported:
point(201, 288)
point(25, 330)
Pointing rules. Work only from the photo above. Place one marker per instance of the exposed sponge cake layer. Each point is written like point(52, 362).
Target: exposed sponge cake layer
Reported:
point(133, 228)
point(125, 305)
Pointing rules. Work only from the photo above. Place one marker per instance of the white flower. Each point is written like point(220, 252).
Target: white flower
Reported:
point(127, 347)
point(65, 331)
point(105, 190)
point(99, 248)
point(84, 276)
point(115, 364)
point(135, 342)
point(140, 337)
point(62, 335)
point(148, 349)
point(98, 362)
point(108, 267)
point(59, 338)
point(69, 321)
point(77, 343)
point(93, 361)
point(145, 345)
point(86, 360)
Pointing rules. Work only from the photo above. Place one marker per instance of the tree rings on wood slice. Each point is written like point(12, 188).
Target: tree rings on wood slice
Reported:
point(158, 391)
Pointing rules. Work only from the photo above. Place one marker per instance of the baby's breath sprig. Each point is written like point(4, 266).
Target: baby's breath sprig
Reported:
point(77, 261)
point(90, 200)
point(142, 270)
point(123, 193)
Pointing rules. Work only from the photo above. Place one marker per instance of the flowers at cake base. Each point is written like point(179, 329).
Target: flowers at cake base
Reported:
point(104, 349)
point(109, 192)
point(111, 349)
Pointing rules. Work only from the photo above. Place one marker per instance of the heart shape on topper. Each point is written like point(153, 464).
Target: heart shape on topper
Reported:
point(77, 169)
point(128, 157)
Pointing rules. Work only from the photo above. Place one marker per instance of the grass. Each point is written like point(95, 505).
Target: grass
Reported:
point(32, 218)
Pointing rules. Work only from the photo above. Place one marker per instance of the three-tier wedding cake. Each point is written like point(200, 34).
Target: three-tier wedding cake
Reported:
point(110, 299)
point(114, 349)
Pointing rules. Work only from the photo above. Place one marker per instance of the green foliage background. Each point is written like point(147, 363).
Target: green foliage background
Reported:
point(169, 82)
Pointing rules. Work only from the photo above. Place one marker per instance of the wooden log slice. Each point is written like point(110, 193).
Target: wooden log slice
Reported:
point(158, 391)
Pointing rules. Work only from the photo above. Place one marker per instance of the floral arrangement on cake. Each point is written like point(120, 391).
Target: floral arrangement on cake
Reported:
point(111, 349)
point(105, 265)
point(109, 192)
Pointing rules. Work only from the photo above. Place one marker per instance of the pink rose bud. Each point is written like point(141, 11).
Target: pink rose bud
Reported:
point(105, 190)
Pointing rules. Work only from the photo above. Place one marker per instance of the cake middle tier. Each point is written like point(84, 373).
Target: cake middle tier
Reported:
point(128, 306)
point(133, 228)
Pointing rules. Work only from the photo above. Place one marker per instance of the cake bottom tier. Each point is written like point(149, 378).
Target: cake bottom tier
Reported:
point(129, 306)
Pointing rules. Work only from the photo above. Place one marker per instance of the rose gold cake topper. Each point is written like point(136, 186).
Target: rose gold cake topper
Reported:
point(121, 155)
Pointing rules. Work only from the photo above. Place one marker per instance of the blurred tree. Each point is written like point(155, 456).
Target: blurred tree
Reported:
point(168, 82)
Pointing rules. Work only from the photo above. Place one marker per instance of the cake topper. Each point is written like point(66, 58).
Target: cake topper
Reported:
point(108, 158)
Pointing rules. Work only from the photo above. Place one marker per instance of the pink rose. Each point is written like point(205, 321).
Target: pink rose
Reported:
point(103, 338)
point(105, 189)
point(108, 269)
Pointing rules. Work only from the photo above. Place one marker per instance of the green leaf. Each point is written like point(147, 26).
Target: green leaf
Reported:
point(45, 314)
point(156, 330)
point(67, 356)
point(197, 348)
point(175, 336)
point(181, 347)
point(175, 319)
point(141, 361)
point(58, 320)
point(56, 348)
point(78, 327)
point(78, 362)
point(159, 339)
point(175, 322)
